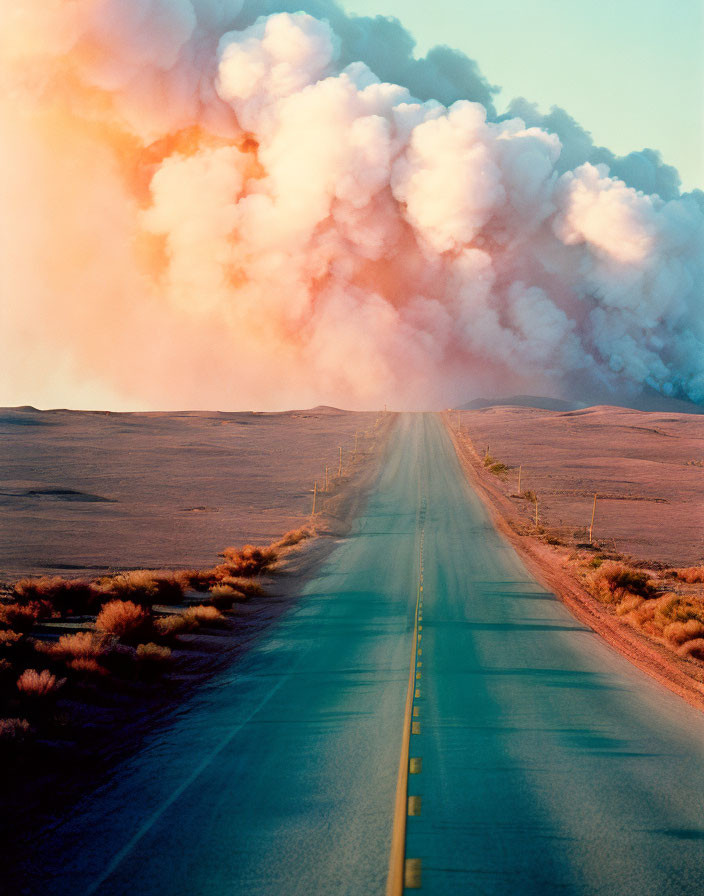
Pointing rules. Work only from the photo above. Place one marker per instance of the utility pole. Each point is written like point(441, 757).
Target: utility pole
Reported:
point(591, 525)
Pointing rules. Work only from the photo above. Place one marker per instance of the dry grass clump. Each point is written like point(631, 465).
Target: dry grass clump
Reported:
point(204, 615)
point(18, 617)
point(498, 469)
point(693, 649)
point(529, 495)
point(244, 586)
point(295, 536)
point(65, 596)
point(692, 575)
point(87, 666)
point(176, 624)
point(197, 579)
point(249, 561)
point(224, 596)
point(13, 731)
point(39, 684)
point(145, 586)
point(8, 638)
point(679, 632)
point(82, 645)
point(124, 619)
point(613, 581)
point(153, 659)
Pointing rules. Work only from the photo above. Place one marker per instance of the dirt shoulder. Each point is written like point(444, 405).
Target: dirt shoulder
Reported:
point(553, 566)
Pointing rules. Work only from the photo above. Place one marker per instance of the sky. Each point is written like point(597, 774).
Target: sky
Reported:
point(238, 204)
point(593, 59)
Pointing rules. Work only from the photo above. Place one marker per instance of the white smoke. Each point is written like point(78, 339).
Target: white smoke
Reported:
point(247, 204)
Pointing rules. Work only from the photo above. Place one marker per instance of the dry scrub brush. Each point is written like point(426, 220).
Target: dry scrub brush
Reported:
point(18, 617)
point(692, 575)
point(38, 685)
point(249, 561)
point(145, 586)
point(13, 731)
point(293, 537)
point(64, 596)
point(204, 615)
point(153, 659)
point(124, 619)
point(613, 581)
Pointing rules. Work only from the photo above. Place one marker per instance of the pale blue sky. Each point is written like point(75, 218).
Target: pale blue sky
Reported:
point(630, 71)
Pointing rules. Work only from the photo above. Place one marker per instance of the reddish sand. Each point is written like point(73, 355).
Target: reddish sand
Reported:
point(647, 469)
point(86, 492)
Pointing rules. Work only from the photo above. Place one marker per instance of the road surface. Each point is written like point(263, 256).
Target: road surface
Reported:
point(548, 764)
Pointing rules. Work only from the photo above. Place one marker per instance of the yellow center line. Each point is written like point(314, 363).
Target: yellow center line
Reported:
point(405, 872)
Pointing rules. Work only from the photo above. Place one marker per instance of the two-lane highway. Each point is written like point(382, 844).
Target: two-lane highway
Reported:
point(540, 761)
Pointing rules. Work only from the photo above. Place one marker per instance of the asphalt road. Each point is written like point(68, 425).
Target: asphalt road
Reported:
point(549, 763)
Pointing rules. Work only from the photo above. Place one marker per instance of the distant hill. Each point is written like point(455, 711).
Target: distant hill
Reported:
point(648, 400)
point(522, 401)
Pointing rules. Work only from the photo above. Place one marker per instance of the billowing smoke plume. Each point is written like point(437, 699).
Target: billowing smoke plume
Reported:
point(216, 204)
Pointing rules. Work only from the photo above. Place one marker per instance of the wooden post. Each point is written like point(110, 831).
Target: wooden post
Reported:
point(339, 472)
point(536, 511)
point(591, 525)
point(519, 478)
point(315, 495)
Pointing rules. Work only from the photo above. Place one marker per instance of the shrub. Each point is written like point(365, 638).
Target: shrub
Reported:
point(86, 665)
point(39, 684)
point(8, 638)
point(176, 624)
point(153, 659)
point(19, 617)
point(529, 495)
point(145, 586)
point(66, 596)
point(82, 645)
point(13, 731)
point(679, 632)
point(613, 581)
point(693, 648)
point(244, 586)
point(498, 469)
point(198, 579)
point(488, 460)
point(629, 604)
point(295, 536)
point(224, 596)
point(205, 615)
point(124, 619)
point(679, 609)
point(692, 575)
point(249, 561)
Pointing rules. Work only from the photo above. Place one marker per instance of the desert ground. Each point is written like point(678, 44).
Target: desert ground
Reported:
point(647, 470)
point(83, 493)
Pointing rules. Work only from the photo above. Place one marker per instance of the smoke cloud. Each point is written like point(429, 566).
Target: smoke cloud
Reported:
point(211, 203)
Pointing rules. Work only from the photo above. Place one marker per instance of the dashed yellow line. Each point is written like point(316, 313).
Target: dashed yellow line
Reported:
point(405, 872)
